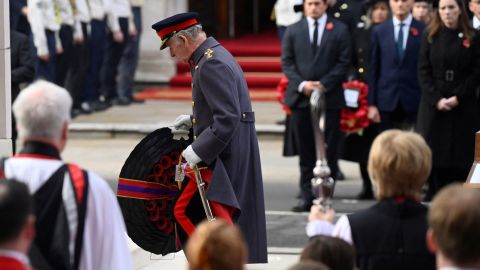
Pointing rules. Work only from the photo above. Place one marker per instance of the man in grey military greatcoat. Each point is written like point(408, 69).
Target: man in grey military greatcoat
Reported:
point(223, 126)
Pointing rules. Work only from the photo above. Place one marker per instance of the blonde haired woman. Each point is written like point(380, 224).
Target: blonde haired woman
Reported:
point(391, 233)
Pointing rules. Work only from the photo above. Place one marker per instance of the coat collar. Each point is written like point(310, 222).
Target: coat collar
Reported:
point(40, 149)
point(400, 208)
point(200, 51)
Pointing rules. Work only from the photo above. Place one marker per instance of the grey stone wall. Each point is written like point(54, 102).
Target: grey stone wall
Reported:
point(5, 85)
point(156, 66)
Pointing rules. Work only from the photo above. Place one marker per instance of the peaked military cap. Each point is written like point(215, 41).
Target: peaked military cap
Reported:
point(166, 28)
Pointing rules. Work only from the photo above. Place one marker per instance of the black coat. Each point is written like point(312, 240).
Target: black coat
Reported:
point(22, 61)
point(226, 140)
point(450, 135)
point(348, 12)
point(361, 52)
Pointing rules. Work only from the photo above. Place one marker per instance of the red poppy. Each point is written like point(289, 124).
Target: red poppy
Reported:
point(355, 120)
point(329, 26)
point(466, 43)
point(414, 31)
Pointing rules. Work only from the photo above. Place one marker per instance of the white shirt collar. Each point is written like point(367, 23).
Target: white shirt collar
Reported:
point(15, 255)
point(321, 21)
point(476, 22)
point(406, 22)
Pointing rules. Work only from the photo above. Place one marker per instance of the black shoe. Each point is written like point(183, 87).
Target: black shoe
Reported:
point(74, 113)
point(99, 106)
point(280, 122)
point(301, 208)
point(365, 195)
point(121, 101)
point(340, 176)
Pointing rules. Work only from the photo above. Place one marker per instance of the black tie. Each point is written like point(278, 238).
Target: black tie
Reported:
point(315, 38)
point(400, 41)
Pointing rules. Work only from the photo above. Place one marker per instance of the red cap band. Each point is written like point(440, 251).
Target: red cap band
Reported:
point(183, 25)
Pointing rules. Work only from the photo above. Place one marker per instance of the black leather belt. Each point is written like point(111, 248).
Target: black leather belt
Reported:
point(449, 75)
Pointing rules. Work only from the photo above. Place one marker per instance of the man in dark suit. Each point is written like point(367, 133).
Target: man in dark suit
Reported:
point(225, 141)
point(394, 92)
point(316, 54)
point(22, 66)
point(17, 225)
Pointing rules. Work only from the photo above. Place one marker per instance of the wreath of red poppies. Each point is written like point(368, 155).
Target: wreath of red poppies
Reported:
point(354, 120)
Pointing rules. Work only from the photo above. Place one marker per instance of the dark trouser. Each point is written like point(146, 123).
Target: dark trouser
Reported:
point(305, 145)
point(64, 60)
point(281, 32)
point(78, 70)
point(399, 119)
point(113, 54)
point(46, 69)
point(440, 177)
point(367, 182)
point(128, 63)
point(96, 47)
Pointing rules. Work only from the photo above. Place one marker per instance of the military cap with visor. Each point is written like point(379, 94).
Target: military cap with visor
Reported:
point(168, 27)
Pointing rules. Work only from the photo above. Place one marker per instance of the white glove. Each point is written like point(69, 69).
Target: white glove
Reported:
point(190, 156)
point(183, 122)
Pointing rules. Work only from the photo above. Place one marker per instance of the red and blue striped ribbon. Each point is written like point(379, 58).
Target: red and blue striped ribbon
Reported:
point(143, 190)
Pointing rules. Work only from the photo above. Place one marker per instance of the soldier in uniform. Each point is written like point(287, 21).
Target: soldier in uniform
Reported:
point(357, 147)
point(223, 126)
point(347, 11)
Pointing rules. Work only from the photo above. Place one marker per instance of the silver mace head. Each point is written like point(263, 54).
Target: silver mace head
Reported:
point(321, 169)
point(322, 185)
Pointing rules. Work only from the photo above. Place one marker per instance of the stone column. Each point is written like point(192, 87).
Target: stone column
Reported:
point(5, 85)
point(156, 66)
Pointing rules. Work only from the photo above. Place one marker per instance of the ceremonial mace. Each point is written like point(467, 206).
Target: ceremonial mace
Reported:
point(322, 184)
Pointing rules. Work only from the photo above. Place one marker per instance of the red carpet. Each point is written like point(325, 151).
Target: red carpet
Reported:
point(258, 56)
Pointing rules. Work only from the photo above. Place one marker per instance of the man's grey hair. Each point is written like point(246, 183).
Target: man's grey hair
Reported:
point(193, 33)
point(41, 110)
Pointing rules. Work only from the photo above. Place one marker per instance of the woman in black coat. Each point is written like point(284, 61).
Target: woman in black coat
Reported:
point(449, 73)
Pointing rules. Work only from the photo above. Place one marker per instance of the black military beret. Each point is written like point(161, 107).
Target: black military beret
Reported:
point(166, 28)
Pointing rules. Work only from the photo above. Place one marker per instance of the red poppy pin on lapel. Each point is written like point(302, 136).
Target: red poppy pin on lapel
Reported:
point(329, 26)
point(414, 31)
point(466, 43)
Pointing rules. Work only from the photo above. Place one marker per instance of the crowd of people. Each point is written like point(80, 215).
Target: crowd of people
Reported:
point(402, 51)
point(56, 215)
point(90, 47)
